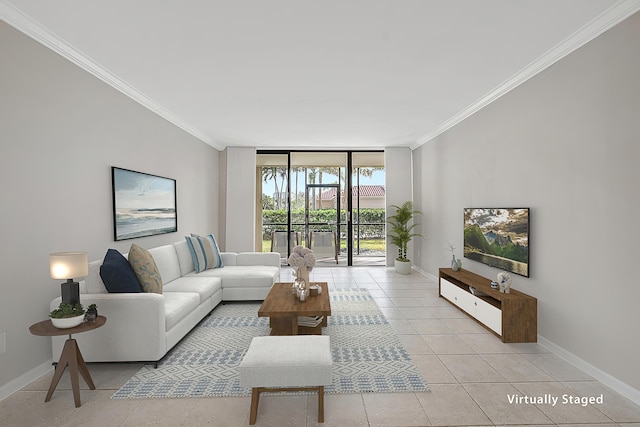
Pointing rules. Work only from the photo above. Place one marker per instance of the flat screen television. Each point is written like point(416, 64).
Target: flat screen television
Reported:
point(498, 237)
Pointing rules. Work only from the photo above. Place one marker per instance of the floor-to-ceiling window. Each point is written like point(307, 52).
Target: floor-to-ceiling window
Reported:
point(368, 207)
point(332, 202)
point(273, 206)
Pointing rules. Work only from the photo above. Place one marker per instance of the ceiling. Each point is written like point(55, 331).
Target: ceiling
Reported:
point(316, 74)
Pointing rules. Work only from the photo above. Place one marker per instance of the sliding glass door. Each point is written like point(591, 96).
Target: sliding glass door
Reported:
point(305, 198)
point(322, 223)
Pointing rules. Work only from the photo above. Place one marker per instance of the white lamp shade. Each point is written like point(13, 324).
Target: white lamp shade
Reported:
point(68, 265)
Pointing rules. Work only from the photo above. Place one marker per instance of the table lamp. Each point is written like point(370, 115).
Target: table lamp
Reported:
point(69, 265)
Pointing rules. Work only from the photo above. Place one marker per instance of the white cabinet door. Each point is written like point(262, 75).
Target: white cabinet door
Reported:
point(483, 311)
point(466, 301)
point(448, 290)
point(489, 315)
point(457, 296)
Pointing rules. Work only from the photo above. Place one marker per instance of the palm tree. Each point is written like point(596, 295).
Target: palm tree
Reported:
point(296, 170)
point(282, 172)
point(269, 173)
point(312, 180)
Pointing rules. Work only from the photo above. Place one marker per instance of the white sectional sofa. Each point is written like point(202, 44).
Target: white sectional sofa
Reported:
point(145, 326)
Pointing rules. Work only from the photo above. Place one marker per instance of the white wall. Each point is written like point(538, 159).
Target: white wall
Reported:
point(61, 130)
point(240, 201)
point(397, 165)
point(566, 144)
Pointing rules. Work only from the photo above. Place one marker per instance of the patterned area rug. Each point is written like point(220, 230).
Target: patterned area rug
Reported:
point(367, 355)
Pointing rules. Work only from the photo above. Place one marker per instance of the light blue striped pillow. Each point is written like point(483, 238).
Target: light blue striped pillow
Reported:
point(204, 252)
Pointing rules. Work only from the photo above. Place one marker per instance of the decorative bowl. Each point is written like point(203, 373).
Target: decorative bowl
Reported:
point(67, 322)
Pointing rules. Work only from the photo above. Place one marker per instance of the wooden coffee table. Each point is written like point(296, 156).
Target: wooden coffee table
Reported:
point(283, 309)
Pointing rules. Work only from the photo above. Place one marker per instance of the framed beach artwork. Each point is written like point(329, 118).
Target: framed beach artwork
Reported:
point(143, 204)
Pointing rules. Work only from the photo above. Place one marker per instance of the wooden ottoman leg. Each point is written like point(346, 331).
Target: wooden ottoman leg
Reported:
point(255, 398)
point(321, 404)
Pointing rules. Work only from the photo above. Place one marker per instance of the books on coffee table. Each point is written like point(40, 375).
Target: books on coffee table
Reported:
point(310, 321)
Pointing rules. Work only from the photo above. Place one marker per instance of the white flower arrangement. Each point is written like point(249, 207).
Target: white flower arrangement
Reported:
point(302, 257)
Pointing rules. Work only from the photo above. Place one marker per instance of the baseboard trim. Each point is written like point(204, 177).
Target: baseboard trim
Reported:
point(23, 380)
point(621, 387)
point(424, 273)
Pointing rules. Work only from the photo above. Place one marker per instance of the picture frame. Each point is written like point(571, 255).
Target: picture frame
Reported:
point(143, 204)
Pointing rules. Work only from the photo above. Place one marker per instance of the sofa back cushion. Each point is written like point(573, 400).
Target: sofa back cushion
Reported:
point(229, 258)
point(166, 260)
point(92, 284)
point(117, 274)
point(184, 257)
point(259, 258)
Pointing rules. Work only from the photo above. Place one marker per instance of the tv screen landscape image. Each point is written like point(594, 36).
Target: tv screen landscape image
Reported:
point(498, 237)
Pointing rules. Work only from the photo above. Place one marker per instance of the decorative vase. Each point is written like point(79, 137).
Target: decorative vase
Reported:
point(303, 274)
point(454, 264)
point(302, 280)
point(459, 264)
point(303, 293)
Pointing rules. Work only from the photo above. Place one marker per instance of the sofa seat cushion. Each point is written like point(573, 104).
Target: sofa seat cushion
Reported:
point(242, 276)
point(177, 305)
point(205, 287)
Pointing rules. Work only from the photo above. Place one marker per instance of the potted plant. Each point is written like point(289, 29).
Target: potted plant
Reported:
point(92, 313)
point(67, 315)
point(401, 234)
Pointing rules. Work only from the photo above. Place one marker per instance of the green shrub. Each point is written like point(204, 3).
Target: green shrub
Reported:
point(277, 220)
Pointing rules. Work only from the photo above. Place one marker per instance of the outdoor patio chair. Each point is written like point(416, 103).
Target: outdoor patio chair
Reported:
point(324, 244)
point(279, 242)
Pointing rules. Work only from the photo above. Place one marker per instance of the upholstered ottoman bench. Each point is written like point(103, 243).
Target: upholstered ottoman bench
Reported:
point(287, 363)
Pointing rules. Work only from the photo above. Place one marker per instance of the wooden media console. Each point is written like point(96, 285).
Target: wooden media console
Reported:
point(513, 317)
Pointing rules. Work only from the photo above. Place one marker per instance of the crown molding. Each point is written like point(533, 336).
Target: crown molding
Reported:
point(606, 20)
point(27, 25)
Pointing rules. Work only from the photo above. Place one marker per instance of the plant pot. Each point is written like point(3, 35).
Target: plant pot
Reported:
point(91, 315)
point(403, 267)
point(67, 322)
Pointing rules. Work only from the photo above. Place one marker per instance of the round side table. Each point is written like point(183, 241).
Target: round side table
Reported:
point(70, 355)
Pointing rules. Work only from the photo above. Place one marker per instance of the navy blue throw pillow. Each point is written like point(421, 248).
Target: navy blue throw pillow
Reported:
point(117, 274)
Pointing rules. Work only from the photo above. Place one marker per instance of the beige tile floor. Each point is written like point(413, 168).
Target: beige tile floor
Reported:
point(471, 374)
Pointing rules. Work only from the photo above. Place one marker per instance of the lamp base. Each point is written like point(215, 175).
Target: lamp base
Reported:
point(70, 292)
